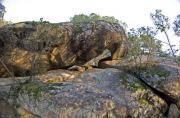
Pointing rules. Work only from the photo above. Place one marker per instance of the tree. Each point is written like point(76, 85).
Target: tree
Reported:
point(176, 25)
point(142, 43)
point(110, 19)
point(134, 47)
point(94, 17)
point(2, 10)
point(162, 24)
point(77, 20)
point(149, 44)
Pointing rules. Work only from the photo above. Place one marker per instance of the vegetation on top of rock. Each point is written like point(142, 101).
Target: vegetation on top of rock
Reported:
point(36, 47)
point(153, 71)
point(33, 89)
point(77, 20)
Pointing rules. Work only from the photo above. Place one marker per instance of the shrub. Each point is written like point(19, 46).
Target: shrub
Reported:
point(77, 20)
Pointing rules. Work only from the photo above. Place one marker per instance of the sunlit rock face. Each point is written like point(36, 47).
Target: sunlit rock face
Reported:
point(96, 93)
point(57, 45)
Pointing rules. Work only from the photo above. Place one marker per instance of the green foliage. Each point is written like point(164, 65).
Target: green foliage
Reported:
point(77, 20)
point(131, 85)
point(142, 43)
point(94, 17)
point(176, 25)
point(162, 24)
point(134, 48)
point(33, 89)
point(178, 58)
point(41, 20)
point(110, 19)
point(156, 71)
point(2, 10)
point(160, 21)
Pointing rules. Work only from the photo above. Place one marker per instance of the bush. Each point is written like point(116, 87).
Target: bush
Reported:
point(77, 20)
point(143, 45)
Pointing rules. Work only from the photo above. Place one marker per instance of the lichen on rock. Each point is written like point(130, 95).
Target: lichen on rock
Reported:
point(93, 94)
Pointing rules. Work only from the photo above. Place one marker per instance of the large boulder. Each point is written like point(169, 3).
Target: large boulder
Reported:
point(28, 46)
point(96, 93)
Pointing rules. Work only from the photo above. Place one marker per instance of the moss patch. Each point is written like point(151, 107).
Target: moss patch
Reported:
point(156, 71)
point(34, 89)
point(131, 85)
point(135, 86)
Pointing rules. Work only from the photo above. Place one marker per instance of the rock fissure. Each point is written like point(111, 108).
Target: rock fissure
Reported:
point(165, 97)
point(169, 100)
point(109, 92)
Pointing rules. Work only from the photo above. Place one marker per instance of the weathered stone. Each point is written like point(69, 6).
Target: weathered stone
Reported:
point(164, 78)
point(6, 110)
point(173, 111)
point(92, 63)
point(95, 93)
point(57, 45)
point(25, 114)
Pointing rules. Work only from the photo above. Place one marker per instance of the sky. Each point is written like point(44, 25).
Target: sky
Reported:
point(135, 13)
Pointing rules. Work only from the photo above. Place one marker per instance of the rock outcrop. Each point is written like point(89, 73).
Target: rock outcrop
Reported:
point(99, 92)
point(45, 49)
point(96, 93)
point(174, 112)
point(164, 78)
point(36, 46)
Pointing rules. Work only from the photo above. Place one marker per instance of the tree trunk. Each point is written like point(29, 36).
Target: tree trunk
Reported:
point(169, 43)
